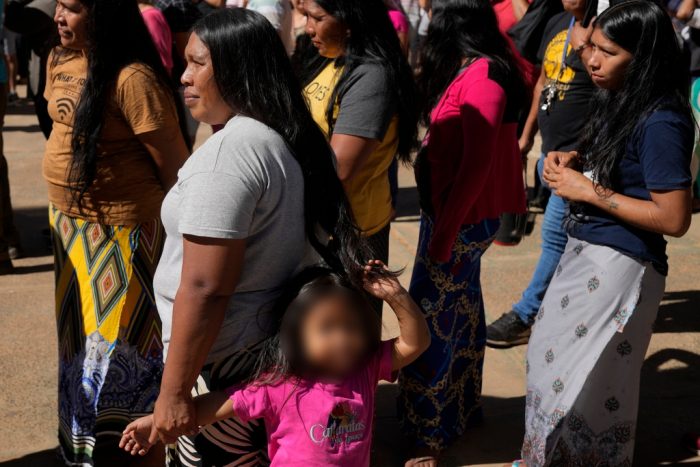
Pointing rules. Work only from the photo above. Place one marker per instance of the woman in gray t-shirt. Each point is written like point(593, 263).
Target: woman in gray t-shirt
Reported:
point(245, 214)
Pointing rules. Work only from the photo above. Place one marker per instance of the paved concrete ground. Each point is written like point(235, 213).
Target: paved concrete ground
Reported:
point(671, 374)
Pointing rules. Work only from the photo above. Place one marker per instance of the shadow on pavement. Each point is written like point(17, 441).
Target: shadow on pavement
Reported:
point(108, 458)
point(26, 128)
point(22, 107)
point(48, 458)
point(495, 440)
point(679, 312)
point(670, 387)
point(23, 270)
point(33, 224)
point(670, 407)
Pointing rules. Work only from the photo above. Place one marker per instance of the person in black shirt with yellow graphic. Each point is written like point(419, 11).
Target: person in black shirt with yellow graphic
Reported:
point(559, 110)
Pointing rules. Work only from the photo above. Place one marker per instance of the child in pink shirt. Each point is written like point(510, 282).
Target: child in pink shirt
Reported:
point(317, 383)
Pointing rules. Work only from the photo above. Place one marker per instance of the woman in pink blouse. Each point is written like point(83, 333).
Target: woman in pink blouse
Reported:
point(469, 172)
point(160, 32)
point(400, 21)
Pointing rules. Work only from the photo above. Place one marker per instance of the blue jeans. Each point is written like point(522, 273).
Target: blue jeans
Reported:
point(554, 240)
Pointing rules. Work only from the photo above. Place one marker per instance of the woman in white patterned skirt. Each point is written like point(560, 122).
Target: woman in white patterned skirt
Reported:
point(629, 185)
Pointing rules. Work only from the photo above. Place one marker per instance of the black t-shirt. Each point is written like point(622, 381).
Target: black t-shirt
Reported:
point(562, 123)
point(657, 159)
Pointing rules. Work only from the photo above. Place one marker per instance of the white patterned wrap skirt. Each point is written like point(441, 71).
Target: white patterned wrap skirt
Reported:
point(585, 356)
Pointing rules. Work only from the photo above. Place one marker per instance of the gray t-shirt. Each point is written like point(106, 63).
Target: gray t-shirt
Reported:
point(243, 183)
point(367, 105)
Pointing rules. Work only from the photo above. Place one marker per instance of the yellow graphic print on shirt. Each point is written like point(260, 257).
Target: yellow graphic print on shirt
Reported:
point(552, 65)
point(318, 95)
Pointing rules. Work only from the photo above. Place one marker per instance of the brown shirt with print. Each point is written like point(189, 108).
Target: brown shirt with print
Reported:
point(126, 190)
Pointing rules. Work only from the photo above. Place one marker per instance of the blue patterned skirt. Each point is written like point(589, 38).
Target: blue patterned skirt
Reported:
point(441, 390)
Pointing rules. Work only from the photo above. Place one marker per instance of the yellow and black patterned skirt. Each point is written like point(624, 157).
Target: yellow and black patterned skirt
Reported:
point(109, 333)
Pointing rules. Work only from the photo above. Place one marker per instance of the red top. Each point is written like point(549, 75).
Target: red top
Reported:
point(475, 166)
point(161, 35)
point(399, 20)
point(506, 20)
point(504, 14)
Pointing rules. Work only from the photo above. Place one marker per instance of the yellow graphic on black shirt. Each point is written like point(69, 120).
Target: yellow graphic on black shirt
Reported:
point(552, 65)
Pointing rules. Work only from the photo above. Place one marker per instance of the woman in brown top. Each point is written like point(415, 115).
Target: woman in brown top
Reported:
point(115, 150)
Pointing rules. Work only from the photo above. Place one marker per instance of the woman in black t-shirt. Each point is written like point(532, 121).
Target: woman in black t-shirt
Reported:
point(629, 185)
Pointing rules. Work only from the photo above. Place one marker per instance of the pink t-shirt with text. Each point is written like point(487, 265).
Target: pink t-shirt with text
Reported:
point(310, 423)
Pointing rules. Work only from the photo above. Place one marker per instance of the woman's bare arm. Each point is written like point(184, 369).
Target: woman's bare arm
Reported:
point(667, 213)
point(211, 269)
point(168, 151)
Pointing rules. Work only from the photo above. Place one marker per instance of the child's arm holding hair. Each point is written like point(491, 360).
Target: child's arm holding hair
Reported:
point(414, 336)
point(140, 435)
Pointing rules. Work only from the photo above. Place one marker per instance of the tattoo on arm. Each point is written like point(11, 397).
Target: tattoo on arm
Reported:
point(612, 205)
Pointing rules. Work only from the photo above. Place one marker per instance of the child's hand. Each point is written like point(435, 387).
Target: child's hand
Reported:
point(414, 335)
point(383, 287)
point(139, 436)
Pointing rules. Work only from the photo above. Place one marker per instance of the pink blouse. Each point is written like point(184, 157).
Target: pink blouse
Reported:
point(399, 20)
point(474, 161)
point(161, 35)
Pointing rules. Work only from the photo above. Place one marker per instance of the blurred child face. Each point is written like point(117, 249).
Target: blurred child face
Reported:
point(334, 341)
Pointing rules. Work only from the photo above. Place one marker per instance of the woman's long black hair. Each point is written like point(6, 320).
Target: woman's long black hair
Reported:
point(459, 30)
point(657, 78)
point(372, 39)
point(117, 37)
point(255, 77)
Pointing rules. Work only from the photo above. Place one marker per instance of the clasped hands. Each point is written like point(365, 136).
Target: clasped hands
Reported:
point(564, 179)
